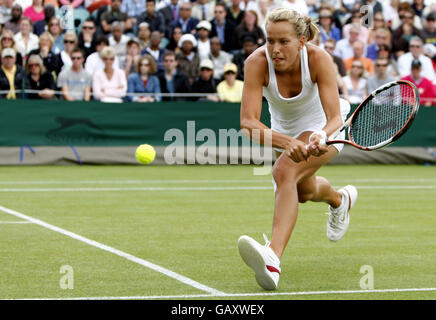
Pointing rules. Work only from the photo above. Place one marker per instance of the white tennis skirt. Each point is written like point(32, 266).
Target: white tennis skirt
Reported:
point(294, 128)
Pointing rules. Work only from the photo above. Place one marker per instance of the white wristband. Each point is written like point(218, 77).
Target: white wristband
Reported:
point(322, 133)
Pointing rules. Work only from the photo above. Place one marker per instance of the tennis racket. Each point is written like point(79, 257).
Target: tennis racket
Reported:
point(382, 118)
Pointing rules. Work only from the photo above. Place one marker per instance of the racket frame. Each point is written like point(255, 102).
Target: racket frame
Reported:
point(348, 123)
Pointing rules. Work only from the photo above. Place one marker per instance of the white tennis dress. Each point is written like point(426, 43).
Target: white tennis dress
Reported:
point(304, 112)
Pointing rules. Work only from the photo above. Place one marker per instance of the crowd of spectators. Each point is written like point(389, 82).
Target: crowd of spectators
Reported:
point(151, 50)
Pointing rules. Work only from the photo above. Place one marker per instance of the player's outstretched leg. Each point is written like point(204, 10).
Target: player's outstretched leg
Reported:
point(262, 260)
point(339, 218)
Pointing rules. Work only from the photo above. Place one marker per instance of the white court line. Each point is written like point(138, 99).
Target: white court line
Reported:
point(15, 222)
point(131, 181)
point(63, 182)
point(261, 294)
point(120, 253)
point(109, 189)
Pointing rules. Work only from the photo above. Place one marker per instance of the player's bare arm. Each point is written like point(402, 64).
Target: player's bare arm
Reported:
point(324, 75)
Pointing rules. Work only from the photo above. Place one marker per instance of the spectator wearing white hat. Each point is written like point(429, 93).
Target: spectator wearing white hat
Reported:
point(189, 61)
point(230, 89)
point(205, 83)
point(203, 32)
point(11, 75)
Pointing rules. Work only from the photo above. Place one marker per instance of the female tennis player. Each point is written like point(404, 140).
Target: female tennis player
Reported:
point(298, 81)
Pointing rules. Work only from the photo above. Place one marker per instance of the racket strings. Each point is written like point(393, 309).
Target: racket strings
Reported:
point(383, 116)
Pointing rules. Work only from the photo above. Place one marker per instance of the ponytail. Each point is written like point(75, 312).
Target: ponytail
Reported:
point(311, 29)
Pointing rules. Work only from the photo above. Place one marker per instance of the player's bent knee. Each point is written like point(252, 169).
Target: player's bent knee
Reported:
point(283, 174)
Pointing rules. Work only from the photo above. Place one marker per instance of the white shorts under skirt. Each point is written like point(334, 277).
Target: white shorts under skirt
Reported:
point(314, 126)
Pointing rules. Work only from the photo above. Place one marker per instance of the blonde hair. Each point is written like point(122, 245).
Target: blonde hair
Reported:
point(37, 59)
point(11, 34)
point(107, 52)
point(304, 26)
point(73, 35)
point(49, 37)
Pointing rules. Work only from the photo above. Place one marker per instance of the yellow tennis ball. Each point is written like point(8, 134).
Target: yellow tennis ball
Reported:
point(145, 153)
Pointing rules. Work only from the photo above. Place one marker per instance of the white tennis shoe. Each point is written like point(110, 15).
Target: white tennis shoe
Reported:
point(262, 260)
point(339, 218)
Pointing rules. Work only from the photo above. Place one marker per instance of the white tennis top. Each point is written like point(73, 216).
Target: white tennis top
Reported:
point(304, 112)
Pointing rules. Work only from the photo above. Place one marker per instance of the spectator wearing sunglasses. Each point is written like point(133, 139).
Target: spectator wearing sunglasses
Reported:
point(230, 89)
point(70, 42)
point(385, 52)
point(39, 79)
point(87, 37)
point(416, 53)
point(381, 75)
point(75, 82)
point(401, 36)
point(205, 83)
point(55, 29)
point(7, 41)
point(356, 83)
point(429, 30)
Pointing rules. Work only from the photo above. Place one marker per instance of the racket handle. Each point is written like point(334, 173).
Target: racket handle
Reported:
point(322, 143)
point(323, 140)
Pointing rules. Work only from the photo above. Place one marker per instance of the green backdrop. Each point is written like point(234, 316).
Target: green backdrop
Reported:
point(60, 123)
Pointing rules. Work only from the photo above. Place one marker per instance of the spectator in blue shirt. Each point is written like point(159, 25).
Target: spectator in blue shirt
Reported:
point(224, 29)
point(143, 81)
point(133, 8)
point(381, 37)
point(327, 27)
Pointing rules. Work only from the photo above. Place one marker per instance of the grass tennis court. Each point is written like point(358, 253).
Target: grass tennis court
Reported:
point(171, 232)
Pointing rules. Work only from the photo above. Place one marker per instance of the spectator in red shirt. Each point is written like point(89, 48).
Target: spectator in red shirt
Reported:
point(427, 90)
point(35, 12)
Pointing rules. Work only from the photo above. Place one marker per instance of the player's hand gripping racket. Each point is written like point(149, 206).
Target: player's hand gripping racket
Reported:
point(383, 117)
